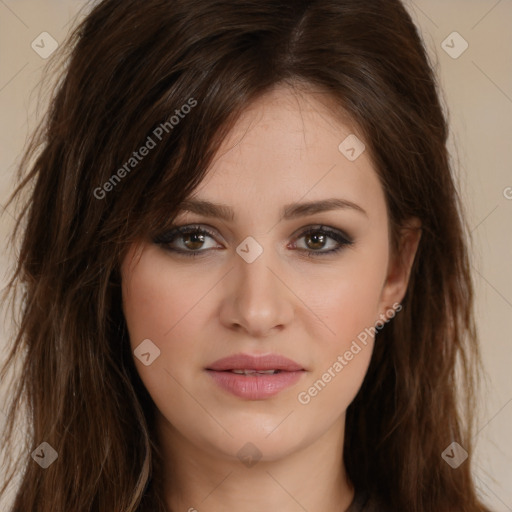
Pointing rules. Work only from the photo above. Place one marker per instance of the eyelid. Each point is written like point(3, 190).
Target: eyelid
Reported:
point(175, 230)
point(305, 230)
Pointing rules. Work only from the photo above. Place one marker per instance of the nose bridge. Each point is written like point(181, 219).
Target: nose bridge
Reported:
point(255, 260)
point(260, 299)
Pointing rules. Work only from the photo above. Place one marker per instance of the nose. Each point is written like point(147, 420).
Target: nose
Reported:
point(257, 299)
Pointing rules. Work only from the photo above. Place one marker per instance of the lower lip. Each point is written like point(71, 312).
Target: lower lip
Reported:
point(255, 388)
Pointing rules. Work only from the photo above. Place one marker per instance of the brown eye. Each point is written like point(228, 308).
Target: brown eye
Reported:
point(317, 238)
point(186, 240)
point(193, 241)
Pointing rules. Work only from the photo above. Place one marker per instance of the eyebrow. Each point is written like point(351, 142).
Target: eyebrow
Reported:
point(290, 211)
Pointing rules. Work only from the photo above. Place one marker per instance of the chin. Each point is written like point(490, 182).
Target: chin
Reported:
point(255, 443)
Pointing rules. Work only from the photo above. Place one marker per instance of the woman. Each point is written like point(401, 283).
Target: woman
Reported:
point(245, 270)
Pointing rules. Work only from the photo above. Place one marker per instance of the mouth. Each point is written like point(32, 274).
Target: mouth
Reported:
point(255, 377)
point(254, 373)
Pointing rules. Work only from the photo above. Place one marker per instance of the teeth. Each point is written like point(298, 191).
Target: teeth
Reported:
point(247, 372)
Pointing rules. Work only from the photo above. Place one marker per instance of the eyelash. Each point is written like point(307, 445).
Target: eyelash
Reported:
point(166, 238)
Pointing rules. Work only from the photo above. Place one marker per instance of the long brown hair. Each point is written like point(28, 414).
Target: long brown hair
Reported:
point(127, 69)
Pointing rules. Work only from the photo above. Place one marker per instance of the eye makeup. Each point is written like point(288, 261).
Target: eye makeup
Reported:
point(199, 233)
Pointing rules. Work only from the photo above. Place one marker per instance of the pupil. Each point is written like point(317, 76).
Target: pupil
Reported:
point(316, 237)
point(199, 242)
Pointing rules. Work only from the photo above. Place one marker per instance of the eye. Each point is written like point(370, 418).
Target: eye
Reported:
point(316, 237)
point(191, 240)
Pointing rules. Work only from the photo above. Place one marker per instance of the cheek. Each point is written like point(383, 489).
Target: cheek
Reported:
point(352, 300)
point(159, 301)
point(351, 308)
point(162, 306)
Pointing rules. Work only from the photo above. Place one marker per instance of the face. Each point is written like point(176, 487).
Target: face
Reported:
point(305, 284)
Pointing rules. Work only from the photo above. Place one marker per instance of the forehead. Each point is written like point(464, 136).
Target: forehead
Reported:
point(287, 146)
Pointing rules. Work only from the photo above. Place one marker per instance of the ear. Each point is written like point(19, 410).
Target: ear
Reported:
point(400, 264)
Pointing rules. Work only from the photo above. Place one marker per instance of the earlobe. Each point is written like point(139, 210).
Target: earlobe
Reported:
point(401, 262)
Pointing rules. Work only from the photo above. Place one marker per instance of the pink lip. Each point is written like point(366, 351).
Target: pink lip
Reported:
point(259, 386)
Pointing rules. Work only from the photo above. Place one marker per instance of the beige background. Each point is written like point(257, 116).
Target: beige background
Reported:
point(478, 96)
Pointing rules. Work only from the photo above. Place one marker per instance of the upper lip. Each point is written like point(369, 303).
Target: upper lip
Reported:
point(250, 362)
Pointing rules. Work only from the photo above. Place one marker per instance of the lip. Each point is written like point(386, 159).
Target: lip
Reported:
point(250, 362)
point(255, 387)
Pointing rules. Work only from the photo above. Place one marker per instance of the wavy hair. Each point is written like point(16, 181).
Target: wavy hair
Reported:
point(124, 71)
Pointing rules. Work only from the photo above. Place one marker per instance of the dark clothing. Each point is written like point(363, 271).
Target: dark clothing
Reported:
point(363, 503)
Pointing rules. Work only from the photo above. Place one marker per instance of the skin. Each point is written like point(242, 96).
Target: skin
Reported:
point(283, 149)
